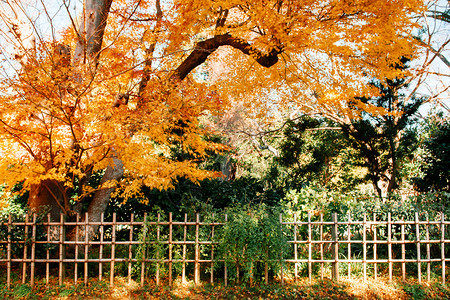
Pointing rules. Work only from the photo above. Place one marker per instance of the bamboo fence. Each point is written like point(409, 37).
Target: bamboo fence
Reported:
point(365, 246)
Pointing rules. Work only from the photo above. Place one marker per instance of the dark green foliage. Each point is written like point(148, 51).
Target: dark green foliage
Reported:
point(385, 141)
point(188, 197)
point(313, 151)
point(436, 166)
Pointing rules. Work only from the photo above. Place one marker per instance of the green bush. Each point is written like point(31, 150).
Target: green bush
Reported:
point(252, 235)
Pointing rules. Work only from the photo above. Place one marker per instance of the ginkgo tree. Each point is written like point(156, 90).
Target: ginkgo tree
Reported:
point(117, 86)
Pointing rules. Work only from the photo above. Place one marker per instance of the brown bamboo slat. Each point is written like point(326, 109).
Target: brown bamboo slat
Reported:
point(389, 243)
point(170, 249)
point(419, 266)
point(113, 251)
point(443, 247)
point(33, 250)
point(100, 252)
point(309, 248)
point(427, 236)
point(349, 245)
point(130, 249)
point(25, 252)
point(295, 252)
point(375, 232)
point(403, 252)
point(197, 251)
point(86, 247)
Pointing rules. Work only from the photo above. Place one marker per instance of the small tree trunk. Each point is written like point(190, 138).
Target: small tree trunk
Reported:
point(101, 198)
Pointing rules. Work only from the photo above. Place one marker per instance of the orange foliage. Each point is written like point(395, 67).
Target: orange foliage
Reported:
point(57, 119)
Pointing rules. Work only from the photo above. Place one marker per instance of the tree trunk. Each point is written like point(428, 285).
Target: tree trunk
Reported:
point(47, 197)
point(101, 198)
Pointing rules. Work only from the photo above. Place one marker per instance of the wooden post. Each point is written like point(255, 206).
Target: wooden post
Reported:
point(349, 246)
point(170, 249)
point(335, 248)
point(309, 248)
point(100, 254)
point(75, 277)
point(47, 264)
point(33, 249)
point(403, 251)
point(197, 251)
point(8, 267)
point(443, 247)
point(113, 250)
point(364, 248)
point(157, 249)
point(427, 234)
point(25, 251)
point(419, 267)
point(212, 251)
point(389, 241)
point(225, 273)
point(86, 248)
point(281, 254)
point(321, 246)
point(375, 266)
point(62, 249)
point(130, 249)
point(144, 240)
point(183, 271)
point(295, 249)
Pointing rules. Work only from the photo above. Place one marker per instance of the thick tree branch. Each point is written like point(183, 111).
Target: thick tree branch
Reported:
point(204, 48)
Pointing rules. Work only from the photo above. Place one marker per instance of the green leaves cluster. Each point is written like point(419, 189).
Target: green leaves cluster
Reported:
point(252, 235)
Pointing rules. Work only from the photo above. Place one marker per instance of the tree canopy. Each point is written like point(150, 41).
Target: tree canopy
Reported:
point(124, 81)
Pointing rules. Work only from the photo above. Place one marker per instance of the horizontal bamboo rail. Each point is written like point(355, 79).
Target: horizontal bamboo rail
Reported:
point(370, 242)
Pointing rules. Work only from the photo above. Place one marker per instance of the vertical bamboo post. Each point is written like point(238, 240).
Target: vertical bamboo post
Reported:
point(375, 266)
point(403, 251)
point(8, 267)
point(75, 277)
point(33, 249)
point(427, 229)
point(183, 271)
point(364, 248)
point(157, 249)
point(335, 248)
point(144, 240)
point(349, 245)
point(266, 267)
point(212, 251)
point(86, 248)
point(419, 267)
point(295, 249)
point(100, 254)
point(225, 271)
point(113, 250)
point(25, 250)
point(389, 241)
point(443, 247)
point(309, 248)
point(62, 249)
point(130, 249)
point(281, 254)
point(197, 251)
point(47, 264)
point(321, 246)
point(170, 249)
